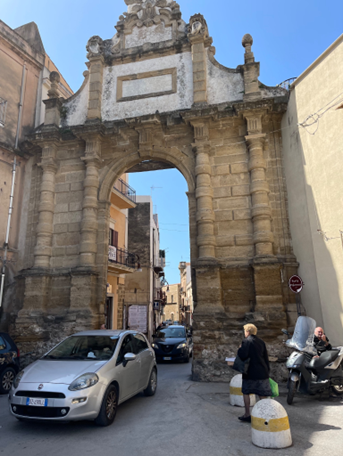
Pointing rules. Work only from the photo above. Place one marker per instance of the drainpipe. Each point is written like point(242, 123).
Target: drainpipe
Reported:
point(10, 210)
point(3, 270)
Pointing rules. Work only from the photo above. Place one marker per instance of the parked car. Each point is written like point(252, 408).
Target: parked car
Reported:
point(173, 343)
point(9, 362)
point(85, 377)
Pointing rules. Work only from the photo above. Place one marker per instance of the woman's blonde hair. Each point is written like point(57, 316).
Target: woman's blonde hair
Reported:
point(251, 329)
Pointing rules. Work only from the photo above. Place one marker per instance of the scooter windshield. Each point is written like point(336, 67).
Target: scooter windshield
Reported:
point(303, 334)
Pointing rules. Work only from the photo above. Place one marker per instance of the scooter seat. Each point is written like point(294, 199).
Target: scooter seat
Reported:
point(325, 358)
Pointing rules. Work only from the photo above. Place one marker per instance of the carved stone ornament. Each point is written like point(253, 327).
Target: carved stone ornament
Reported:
point(198, 26)
point(94, 46)
point(116, 44)
point(147, 13)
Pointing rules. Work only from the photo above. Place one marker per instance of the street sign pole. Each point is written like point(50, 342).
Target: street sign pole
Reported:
point(296, 284)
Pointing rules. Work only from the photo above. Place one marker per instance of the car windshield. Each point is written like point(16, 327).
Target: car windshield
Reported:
point(172, 333)
point(98, 348)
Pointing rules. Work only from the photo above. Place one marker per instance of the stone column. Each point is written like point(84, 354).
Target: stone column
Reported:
point(259, 191)
point(89, 222)
point(43, 249)
point(200, 41)
point(204, 192)
point(96, 66)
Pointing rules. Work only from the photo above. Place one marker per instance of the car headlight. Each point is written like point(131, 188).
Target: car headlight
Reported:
point(17, 379)
point(183, 345)
point(84, 381)
point(154, 345)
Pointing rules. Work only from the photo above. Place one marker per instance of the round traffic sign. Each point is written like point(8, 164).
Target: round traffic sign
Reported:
point(295, 284)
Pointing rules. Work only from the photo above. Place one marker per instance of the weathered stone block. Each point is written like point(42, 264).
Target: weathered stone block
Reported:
point(77, 176)
point(59, 188)
point(63, 228)
point(223, 215)
point(58, 251)
point(75, 206)
point(66, 239)
point(73, 227)
point(241, 190)
point(221, 192)
point(242, 214)
point(232, 203)
point(239, 168)
point(75, 186)
point(61, 208)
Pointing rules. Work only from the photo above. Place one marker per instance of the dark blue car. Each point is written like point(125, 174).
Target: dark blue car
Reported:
point(9, 362)
point(173, 343)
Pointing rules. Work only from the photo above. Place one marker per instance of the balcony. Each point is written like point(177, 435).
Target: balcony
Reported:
point(123, 196)
point(121, 261)
point(160, 262)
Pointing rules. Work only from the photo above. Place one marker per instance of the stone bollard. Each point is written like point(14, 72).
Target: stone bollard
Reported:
point(236, 395)
point(270, 425)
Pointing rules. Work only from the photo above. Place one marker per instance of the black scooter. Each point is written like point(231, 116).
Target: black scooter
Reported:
point(308, 373)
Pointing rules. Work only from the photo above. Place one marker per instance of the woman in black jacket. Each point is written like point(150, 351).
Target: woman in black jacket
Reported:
point(256, 381)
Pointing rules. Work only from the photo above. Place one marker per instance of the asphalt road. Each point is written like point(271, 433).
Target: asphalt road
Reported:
point(183, 418)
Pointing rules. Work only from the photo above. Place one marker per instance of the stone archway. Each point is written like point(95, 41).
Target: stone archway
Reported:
point(155, 92)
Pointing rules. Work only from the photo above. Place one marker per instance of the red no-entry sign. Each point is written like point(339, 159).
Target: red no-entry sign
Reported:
point(295, 284)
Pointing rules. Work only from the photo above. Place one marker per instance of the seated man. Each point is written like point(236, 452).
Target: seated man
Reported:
point(321, 342)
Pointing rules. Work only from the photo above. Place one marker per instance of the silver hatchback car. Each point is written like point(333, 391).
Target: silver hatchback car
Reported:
point(85, 377)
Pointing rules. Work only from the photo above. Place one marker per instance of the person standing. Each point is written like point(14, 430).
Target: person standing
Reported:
point(256, 380)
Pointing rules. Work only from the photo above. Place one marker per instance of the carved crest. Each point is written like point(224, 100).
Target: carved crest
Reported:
point(94, 46)
point(198, 26)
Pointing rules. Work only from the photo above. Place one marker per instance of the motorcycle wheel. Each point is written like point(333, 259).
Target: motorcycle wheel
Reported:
point(291, 391)
point(338, 389)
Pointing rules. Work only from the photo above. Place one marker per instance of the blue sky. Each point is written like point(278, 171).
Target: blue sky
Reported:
point(288, 37)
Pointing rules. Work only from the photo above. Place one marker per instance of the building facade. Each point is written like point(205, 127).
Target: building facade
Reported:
point(154, 96)
point(186, 293)
point(143, 288)
point(121, 261)
point(313, 168)
point(24, 84)
point(172, 311)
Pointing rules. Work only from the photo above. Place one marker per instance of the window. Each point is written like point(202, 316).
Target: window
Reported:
point(2, 344)
point(3, 106)
point(172, 298)
point(126, 347)
point(140, 343)
point(113, 238)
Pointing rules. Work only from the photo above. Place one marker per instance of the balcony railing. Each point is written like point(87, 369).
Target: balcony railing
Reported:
point(125, 189)
point(287, 84)
point(121, 256)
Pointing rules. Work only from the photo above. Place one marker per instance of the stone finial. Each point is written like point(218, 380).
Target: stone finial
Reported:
point(55, 80)
point(247, 42)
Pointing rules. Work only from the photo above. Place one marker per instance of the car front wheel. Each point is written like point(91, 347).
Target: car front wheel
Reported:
point(6, 380)
point(108, 407)
point(152, 386)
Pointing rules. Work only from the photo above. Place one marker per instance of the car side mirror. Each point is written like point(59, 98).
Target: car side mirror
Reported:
point(129, 357)
point(285, 332)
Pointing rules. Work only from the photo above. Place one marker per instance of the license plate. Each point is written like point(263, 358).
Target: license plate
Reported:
point(37, 402)
point(167, 358)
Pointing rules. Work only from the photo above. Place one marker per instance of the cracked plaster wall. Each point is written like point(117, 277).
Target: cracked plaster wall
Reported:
point(222, 85)
point(183, 99)
point(77, 107)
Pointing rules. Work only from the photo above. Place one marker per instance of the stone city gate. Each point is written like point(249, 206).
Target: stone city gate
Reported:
point(154, 97)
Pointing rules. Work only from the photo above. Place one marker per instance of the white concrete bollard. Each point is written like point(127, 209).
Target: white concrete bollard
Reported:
point(270, 425)
point(236, 395)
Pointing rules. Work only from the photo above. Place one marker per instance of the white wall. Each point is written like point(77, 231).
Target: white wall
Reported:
point(314, 169)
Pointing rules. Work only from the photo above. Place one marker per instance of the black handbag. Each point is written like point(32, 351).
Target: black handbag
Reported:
point(241, 366)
